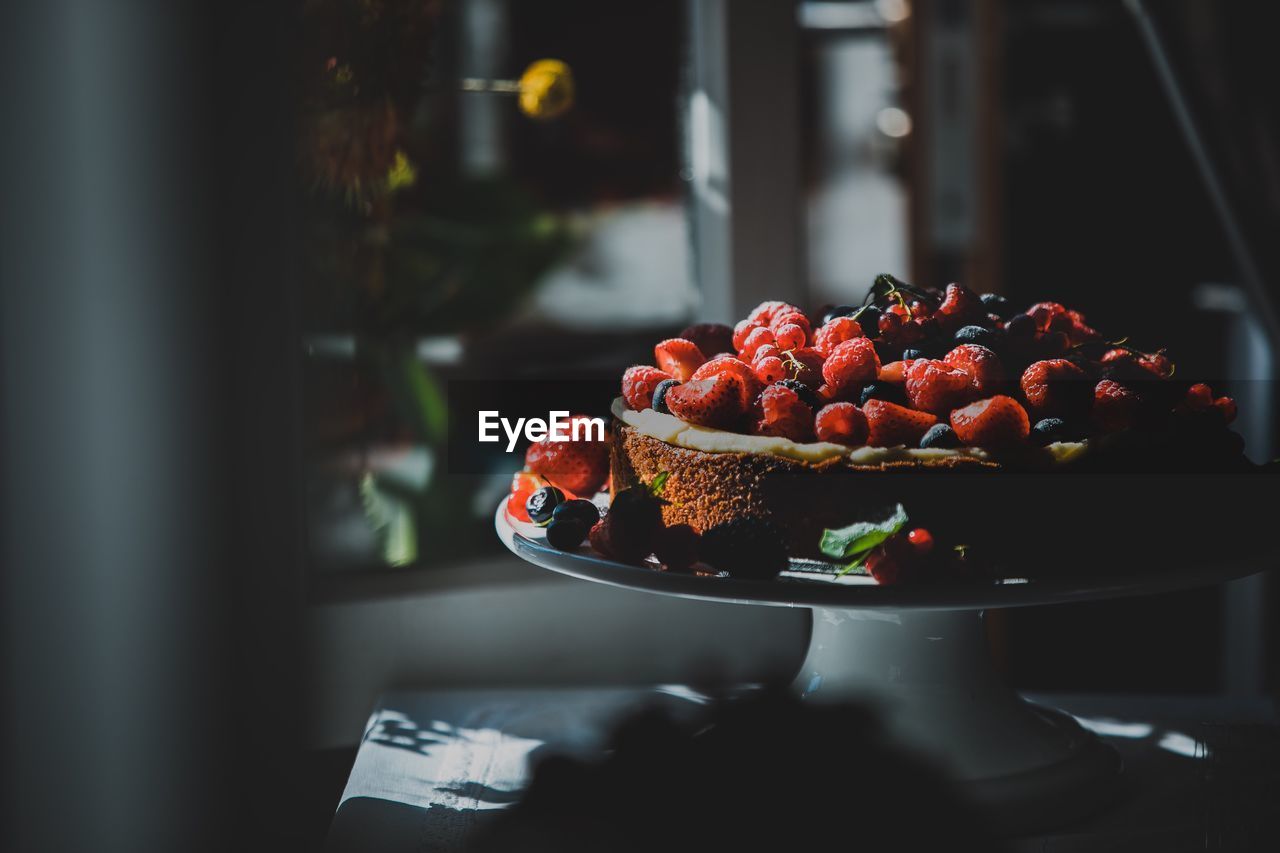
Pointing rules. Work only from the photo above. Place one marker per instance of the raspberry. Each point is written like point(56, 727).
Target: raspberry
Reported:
point(784, 414)
point(770, 369)
point(836, 332)
point(678, 357)
point(889, 425)
point(764, 313)
point(579, 467)
point(983, 366)
point(715, 402)
point(851, 362)
point(741, 331)
point(1115, 407)
point(790, 336)
point(676, 547)
point(936, 387)
point(751, 384)
point(639, 383)
point(997, 421)
point(766, 351)
point(1055, 388)
point(794, 317)
point(805, 365)
point(842, 423)
point(757, 338)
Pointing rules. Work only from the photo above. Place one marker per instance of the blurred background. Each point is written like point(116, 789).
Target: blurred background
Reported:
point(247, 250)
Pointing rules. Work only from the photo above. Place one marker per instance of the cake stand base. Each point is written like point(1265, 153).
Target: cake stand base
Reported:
point(929, 675)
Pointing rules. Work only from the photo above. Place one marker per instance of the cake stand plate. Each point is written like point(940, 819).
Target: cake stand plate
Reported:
point(919, 655)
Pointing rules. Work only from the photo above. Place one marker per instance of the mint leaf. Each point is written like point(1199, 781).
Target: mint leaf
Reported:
point(861, 536)
point(655, 487)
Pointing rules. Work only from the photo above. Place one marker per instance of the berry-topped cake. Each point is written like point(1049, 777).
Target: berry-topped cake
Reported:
point(811, 427)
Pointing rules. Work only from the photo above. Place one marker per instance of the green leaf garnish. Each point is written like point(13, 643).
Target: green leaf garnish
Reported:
point(857, 540)
point(656, 484)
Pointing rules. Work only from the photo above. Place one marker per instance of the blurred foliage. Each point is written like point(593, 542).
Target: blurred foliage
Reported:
point(398, 245)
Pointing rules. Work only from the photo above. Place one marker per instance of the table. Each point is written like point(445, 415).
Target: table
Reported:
point(432, 765)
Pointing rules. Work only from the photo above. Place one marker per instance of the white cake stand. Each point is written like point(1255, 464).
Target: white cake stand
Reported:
point(919, 655)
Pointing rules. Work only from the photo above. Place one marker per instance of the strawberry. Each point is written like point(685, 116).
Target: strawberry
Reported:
point(895, 372)
point(851, 362)
point(983, 366)
point(997, 421)
point(843, 423)
point(960, 307)
point(784, 414)
point(580, 466)
point(889, 424)
point(805, 365)
point(1115, 407)
point(1054, 388)
point(770, 369)
point(790, 336)
point(836, 332)
point(638, 384)
point(1043, 313)
point(710, 337)
point(715, 402)
point(523, 484)
point(936, 387)
point(756, 339)
point(751, 384)
point(678, 357)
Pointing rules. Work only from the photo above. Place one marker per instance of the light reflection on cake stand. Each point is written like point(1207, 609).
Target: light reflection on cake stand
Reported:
point(919, 654)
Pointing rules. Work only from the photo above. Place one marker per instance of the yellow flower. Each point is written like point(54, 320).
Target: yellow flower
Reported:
point(546, 89)
point(402, 172)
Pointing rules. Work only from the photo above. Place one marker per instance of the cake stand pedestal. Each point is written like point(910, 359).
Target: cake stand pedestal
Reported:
point(919, 655)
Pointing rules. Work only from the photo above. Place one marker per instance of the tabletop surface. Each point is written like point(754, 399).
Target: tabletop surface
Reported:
point(432, 765)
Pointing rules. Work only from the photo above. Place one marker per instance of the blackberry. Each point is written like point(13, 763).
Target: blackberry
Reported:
point(750, 548)
point(940, 436)
point(804, 392)
point(996, 304)
point(977, 335)
point(912, 353)
point(1020, 328)
point(660, 395)
point(634, 516)
point(886, 391)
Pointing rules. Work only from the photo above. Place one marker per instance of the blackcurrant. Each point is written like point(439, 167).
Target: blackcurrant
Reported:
point(542, 503)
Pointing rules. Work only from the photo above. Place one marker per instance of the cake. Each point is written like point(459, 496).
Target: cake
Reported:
point(911, 404)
